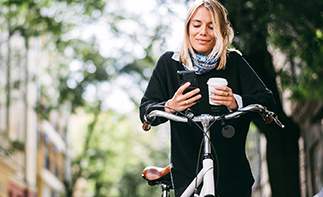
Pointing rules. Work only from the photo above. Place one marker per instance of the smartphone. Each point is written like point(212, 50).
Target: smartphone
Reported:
point(187, 76)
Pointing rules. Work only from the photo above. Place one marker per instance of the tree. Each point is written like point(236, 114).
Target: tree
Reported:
point(22, 18)
point(116, 154)
point(290, 26)
point(83, 74)
point(76, 65)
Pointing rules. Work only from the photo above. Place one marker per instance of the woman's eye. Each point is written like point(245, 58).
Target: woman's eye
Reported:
point(211, 27)
point(196, 26)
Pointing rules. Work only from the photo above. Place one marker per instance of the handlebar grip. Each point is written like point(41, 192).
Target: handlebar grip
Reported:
point(146, 126)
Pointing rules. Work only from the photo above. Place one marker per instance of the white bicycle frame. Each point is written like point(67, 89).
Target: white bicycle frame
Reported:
point(206, 174)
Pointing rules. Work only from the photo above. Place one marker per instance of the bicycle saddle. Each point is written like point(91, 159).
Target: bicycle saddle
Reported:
point(156, 175)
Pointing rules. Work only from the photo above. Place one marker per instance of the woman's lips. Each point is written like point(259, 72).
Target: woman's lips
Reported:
point(202, 41)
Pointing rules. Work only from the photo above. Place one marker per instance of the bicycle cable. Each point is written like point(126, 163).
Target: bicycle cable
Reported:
point(198, 166)
point(216, 159)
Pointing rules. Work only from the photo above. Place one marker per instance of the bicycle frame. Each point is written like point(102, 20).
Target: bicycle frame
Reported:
point(206, 174)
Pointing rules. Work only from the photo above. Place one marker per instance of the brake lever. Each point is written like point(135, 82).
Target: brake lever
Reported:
point(276, 120)
point(267, 119)
point(266, 115)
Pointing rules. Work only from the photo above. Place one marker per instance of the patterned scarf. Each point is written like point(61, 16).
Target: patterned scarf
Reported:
point(203, 64)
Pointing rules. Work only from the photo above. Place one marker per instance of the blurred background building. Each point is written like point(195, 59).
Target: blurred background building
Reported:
point(33, 150)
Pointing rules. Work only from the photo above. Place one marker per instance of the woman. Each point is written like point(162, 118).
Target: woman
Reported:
point(204, 50)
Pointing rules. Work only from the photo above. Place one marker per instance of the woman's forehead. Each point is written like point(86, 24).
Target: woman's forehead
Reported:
point(202, 14)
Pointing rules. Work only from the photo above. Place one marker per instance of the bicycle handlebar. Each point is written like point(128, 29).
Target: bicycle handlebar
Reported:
point(267, 116)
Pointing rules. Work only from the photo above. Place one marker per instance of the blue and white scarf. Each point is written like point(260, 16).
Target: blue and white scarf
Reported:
point(203, 64)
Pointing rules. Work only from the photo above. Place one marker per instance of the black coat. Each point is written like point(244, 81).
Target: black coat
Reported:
point(235, 177)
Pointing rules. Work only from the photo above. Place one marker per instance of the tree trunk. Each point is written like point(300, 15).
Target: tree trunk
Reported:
point(282, 144)
point(90, 129)
point(8, 85)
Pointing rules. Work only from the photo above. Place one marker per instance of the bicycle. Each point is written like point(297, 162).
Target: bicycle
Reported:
point(161, 176)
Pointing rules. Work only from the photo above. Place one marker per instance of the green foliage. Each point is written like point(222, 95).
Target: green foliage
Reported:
point(296, 31)
point(14, 146)
point(25, 17)
point(292, 26)
point(117, 154)
point(91, 70)
point(77, 64)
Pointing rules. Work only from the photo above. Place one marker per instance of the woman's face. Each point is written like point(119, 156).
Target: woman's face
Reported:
point(201, 34)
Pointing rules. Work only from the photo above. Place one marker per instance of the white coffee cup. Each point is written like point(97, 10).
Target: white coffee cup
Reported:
point(215, 82)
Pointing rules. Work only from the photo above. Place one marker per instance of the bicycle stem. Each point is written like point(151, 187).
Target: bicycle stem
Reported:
point(205, 121)
point(208, 178)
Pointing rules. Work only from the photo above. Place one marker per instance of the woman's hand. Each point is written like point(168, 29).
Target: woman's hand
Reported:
point(224, 96)
point(182, 101)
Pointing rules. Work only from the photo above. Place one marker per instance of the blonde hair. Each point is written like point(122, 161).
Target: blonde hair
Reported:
point(222, 30)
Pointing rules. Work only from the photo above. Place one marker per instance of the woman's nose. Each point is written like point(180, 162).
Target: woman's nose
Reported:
point(203, 30)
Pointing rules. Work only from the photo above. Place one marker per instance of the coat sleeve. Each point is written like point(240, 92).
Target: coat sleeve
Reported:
point(249, 86)
point(253, 88)
point(158, 89)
